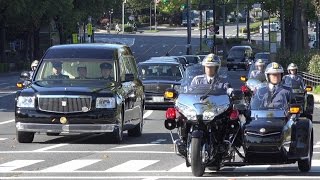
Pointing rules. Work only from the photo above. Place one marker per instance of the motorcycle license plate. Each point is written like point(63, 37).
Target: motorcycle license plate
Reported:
point(158, 99)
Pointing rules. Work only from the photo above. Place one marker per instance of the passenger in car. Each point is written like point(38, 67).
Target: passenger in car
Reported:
point(174, 71)
point(56, 71)
point(106, 69)
point(82, 71)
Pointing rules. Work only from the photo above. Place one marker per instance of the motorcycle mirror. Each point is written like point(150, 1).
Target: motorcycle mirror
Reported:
point(308, 88)
point(243, 78)
point(170, 93)
point(25, 75)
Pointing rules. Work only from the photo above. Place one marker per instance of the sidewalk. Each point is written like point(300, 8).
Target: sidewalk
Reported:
point(316, 98)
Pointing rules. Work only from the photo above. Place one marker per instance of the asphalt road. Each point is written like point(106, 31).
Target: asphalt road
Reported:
point(149, 157)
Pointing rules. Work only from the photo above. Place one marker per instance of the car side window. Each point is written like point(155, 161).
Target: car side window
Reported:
point(123, 67)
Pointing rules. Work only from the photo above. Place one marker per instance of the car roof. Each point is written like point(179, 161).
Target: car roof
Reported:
point(89, 45)
point(158, 61)
point(241, 47)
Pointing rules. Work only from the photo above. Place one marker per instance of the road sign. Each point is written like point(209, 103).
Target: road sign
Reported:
point(209, 42)
point(89, 29)
point(75, 38)
point(211, 29)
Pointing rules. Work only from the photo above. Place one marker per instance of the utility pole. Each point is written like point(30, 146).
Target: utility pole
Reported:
point(262, 24)
point(188, 28)
point(282, 25)
point(155, 16)
point(151, 14)
point(125, 1)
point(200, 25)
point(248, 23)
point(224, 30)
point(214, 25)
point(237, 18)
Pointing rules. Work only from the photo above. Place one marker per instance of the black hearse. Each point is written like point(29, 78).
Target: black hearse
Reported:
point(82, 88)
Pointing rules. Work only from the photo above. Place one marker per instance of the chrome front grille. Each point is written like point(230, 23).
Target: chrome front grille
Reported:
point(64, 104)
point(157, 88)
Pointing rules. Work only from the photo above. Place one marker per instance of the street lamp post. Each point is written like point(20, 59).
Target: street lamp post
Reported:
point(150, 15)
point(155, 16)
point(125, 1)
point(110, 14)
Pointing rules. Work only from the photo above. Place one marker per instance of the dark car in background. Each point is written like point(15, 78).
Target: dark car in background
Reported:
point(239, 57)
point(192, 59)
point(82, 88)
point(157, 76)
point(265, 56)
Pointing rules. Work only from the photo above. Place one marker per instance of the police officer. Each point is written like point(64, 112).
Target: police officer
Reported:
point(34, 66)
point(82, 71)
point(211, 65)
point(56, 71)
point(106, 70)
point(258, 73)
point(277, 93)
point(293, 75)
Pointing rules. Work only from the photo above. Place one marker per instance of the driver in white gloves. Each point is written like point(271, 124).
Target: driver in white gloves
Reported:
point(212, 64)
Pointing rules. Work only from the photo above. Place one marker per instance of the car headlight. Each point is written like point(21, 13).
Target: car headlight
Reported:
point(105, 102)
point(26, 101)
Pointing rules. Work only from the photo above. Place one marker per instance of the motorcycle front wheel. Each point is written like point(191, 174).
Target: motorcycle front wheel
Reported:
point(197, 159)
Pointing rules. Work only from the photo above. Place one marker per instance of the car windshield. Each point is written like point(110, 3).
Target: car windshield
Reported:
point(196, 71)
point(192, 59)
point(263, 99)
point(160, 71)
point(236, 53)
point(75, 72)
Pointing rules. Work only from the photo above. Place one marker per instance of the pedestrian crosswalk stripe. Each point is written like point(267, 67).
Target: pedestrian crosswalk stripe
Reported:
point(132, 166)
point(180, 168)
point(71, 165)
point(16, 164)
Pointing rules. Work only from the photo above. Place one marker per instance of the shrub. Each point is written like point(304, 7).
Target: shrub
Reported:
point(128, 28)
point(316, 90)
point(314, 64)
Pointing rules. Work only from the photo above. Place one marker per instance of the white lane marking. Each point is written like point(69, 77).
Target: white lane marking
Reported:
point(317, 145)
point(7, 92)
point(134, 145)
point(160, 177)
point(71, 165)
point(6, 122)
point(252, 168)
point(2, 139)
point(132, 166)
point(315, 166)
point(180, 168)
point(158, 141)
point(85, 152)
point(3, 84)
point(51, 147)
point(16, 164)
point(147, 114)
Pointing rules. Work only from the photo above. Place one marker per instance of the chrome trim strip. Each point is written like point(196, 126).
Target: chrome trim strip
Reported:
point(268, 134)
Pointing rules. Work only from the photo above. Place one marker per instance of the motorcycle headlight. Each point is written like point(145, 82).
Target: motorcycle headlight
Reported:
point(188, 112)
point(105, 102)
point(26, 101)
point(208, 115)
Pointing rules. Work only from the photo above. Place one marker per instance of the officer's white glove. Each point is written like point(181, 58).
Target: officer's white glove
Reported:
point(229, 91)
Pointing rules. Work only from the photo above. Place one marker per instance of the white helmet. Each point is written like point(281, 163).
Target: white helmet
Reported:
point(292, 66)
point(273, 68)
point(211, 60)
point(34, 63)
point(259, 62)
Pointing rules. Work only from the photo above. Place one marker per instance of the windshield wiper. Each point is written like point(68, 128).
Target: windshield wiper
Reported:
point(111, 84)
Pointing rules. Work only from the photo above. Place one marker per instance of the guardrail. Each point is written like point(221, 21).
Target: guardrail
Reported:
point(310, 79)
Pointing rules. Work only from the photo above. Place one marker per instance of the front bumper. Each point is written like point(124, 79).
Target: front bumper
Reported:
point(70, 128)
point(157, 101)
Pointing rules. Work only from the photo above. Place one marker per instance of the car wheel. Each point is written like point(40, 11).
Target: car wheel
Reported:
point(24, 137)
point(304, 165)
point(137, 130)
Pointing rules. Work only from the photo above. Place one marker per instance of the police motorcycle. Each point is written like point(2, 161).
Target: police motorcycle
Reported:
point(301, 97)
point(26, 76)
point(275, 132)
point(207, 122)
point(250, 85)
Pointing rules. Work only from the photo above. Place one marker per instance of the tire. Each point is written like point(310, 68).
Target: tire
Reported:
point(305, 164)
point(24, 137)
point(310, 104)
point(137, 131)
point(197, 166)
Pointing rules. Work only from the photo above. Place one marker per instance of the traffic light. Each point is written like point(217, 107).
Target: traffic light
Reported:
point(216, 29)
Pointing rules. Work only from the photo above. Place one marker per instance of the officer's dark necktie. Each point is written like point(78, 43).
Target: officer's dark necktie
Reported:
point(210, 81)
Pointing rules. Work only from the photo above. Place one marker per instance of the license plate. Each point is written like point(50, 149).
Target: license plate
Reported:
point(158, 99)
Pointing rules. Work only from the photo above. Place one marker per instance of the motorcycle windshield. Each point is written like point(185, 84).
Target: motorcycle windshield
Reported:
point(295, 84)
point(264, 99)
point(253, 84)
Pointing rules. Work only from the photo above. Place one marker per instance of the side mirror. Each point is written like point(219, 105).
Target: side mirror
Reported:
point(128, 77)
point(170, 93)
point(309, 89)
point(25, 75)
point(243, 79)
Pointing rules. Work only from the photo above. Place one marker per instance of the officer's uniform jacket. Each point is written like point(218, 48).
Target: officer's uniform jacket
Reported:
point(275, 98)
point(216, 81)
point(296, 78)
